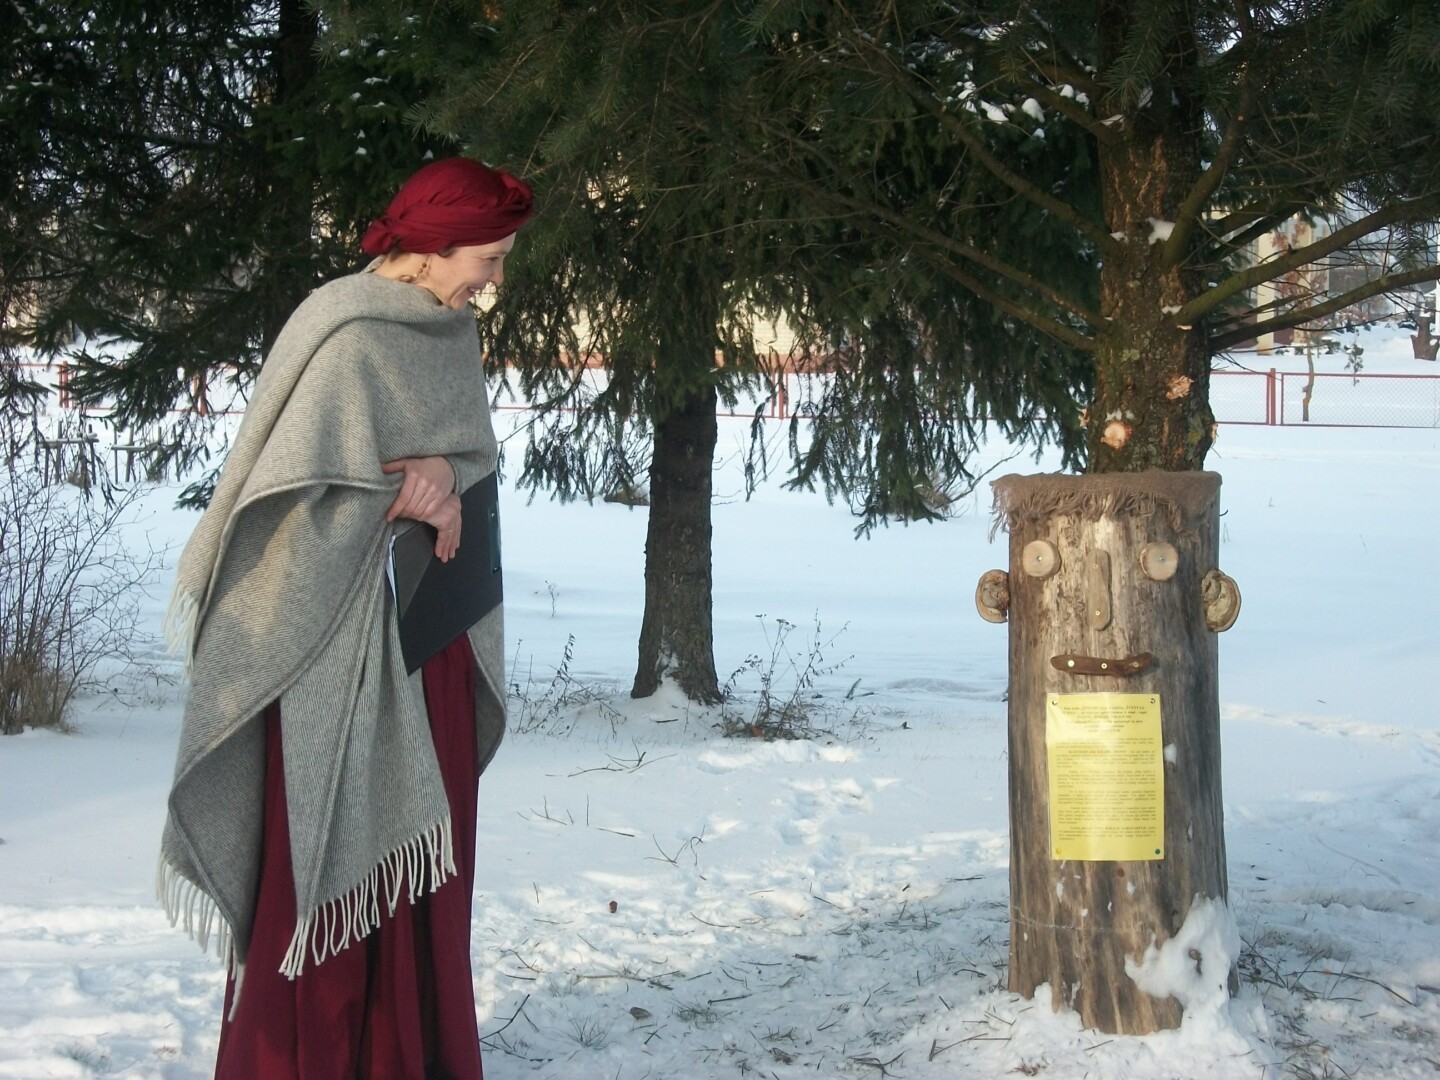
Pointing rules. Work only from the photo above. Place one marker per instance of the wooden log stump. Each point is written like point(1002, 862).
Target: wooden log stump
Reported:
point(1112, 587)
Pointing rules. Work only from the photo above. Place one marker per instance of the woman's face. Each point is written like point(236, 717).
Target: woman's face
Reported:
point(466, 271)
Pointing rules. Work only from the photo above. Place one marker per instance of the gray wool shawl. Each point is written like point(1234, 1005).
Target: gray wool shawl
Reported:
point(281, 594)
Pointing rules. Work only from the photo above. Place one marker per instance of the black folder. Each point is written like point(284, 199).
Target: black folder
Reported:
point(435, 601)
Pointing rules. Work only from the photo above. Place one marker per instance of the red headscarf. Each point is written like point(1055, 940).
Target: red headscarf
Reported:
point(454, 202)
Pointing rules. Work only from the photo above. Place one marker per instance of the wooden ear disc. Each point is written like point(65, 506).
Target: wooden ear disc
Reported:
point(1221, 597)
point(992, 596)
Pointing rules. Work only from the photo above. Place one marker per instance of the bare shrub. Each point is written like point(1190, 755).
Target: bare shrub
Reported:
point(787, 704)
point(70, 592)
point(555, 706)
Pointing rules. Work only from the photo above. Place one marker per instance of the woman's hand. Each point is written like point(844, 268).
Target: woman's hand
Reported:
point(447, 524)
point(427, 494)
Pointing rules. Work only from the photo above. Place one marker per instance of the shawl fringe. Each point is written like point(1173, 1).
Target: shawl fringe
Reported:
point(190, 907)
point(418, 866)
point(182, 615)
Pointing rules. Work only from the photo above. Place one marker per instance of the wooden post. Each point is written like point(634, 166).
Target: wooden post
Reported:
point(1309, 384)
point(1108, 589)
point(1423, 344)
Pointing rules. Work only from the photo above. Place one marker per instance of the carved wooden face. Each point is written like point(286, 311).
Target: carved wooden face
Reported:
point(1158, 561)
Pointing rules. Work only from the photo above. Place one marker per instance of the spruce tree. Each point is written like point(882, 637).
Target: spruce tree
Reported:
point(1153, 142)
point(179, 176)
point(654, 251)
point(645, 254)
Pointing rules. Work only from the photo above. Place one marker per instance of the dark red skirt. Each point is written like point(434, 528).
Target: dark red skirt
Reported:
point(399, 1004)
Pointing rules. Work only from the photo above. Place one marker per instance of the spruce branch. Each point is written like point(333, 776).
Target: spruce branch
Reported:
point(958, 127)
point(1075, 112)
point(863, 209)
point(1299, 316)
point(1261, 221)
point(929, 99)
point(1059, 65)
point(1301, 256)
point(1192, 208)
point(1058, 330)
point(949, 244)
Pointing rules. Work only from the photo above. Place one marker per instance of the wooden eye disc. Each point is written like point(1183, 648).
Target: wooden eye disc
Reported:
point(1040, 559)
point(1159, 561)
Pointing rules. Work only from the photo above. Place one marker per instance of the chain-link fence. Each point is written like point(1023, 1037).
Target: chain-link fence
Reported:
point(1325, 399)
point(1321, 399)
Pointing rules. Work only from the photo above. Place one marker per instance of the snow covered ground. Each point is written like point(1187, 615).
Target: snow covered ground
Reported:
point(656, 900)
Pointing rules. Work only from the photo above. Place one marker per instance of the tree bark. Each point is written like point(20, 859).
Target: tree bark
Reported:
point(1076, 924)
point(292, 210)
point(1151, 406)
point(676, 633)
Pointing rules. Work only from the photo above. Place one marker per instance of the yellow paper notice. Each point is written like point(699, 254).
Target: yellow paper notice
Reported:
point(1107, 776)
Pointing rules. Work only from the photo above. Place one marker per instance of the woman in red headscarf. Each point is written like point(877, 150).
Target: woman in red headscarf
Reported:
point(322, 819)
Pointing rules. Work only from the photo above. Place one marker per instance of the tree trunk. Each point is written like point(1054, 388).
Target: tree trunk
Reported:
point(1082, 923)
point(676, 634)
point(1152, 378)
point(289, 243)
point(1076, 925)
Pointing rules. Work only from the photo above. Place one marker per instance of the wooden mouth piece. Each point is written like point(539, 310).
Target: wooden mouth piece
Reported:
point(1101, 665)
